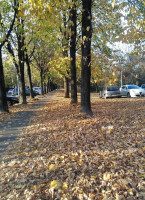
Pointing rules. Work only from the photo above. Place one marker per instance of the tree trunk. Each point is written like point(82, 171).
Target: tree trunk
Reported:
point(65, 54)
point(48, 86)
point(29, 76)
point(44, 88)
point(9, 48)
point(73, 53)
point(21, 54)
point(41, 77)
point(19, 67)
point(86, 57)
point(3, 100)
point(22, 93)
point(66, 87)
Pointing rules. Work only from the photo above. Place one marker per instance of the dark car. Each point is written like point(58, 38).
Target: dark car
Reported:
point(12, 100)
point(110, 91)
point(27, 91)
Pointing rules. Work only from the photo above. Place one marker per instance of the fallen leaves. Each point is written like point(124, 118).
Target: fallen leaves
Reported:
point(66, 155)
point(55, 184)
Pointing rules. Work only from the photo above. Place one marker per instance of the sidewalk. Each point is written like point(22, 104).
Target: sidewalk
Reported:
point(11, 129)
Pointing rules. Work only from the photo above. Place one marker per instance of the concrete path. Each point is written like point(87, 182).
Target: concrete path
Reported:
point(10, 130)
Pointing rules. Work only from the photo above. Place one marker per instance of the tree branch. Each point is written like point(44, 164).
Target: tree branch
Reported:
point(12, 24)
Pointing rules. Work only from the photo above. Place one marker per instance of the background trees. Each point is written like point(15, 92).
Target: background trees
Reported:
point(55, 42)
point(5, 31)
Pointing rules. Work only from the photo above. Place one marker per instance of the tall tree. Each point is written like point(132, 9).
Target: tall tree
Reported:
point(86, 56)
point(65, 54)
point(5, 35)
point(29, 74)
point(73, 19)
point(21, 54)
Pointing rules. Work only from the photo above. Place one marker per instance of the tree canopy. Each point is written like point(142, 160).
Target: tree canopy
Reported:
point(46, 30)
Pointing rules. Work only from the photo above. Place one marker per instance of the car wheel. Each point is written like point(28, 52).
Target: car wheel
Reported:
point(9, 103)
point(100, 95)
point(128, 95)
point(105, 97)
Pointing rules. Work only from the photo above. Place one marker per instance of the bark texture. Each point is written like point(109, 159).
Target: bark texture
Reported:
point(3, 100)
point(29, 76)
point(65, 54)
point(66, 87)
point(21, 53)
point(73, 53)
point(86, 57)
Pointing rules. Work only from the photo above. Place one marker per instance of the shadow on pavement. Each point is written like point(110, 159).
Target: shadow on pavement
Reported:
point(10, 130)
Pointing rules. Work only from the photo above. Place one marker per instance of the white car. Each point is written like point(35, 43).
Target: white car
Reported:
point(37, 89)
point(132, 91)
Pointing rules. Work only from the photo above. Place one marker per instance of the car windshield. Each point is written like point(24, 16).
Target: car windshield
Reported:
point(15, 90)
point(36, 88)
point(112, 88)
point(133, 87)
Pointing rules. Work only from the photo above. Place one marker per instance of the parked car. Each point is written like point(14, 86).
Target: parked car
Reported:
point(132, 91)
point(143, 86)
point(14, 91)
point(35, 92)
point(12, 100)
point(10, 91)
point(110, 91)
point(37, 89)
point(27, 91)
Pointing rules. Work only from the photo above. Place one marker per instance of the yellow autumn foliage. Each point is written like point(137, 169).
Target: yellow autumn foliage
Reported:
point(52, 167)
point(55, 184)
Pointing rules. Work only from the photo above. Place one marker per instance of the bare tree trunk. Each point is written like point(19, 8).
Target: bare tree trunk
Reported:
point(44, 88)
point(48, 86)
point(29, 76)
point(20, 38)
point(66, 87)
point(41, 77)
point(3, 100)
point(86, 57)
point(73, 53)
point(65, 54)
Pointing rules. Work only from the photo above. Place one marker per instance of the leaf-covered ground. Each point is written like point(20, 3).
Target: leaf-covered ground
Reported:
point(66, 155)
